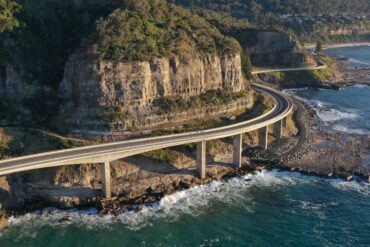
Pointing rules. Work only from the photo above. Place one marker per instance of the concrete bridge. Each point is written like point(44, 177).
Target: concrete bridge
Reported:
point(106, 153)
point(320, 66)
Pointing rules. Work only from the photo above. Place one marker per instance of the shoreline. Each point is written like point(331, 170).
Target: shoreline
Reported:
point(339, 45)
point(343, 45)
point(115, 207)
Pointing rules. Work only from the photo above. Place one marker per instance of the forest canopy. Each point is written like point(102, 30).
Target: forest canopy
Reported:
point(146, 29)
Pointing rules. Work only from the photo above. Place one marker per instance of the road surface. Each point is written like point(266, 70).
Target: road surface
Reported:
point(113, 151)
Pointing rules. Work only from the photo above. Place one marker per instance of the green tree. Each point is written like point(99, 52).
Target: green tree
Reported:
point(318, 47)
point(8, 10)
point(247, 65)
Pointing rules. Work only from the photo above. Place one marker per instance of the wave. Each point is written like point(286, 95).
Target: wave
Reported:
point(325, 110)
point(360, 86)
point(334, 115)
point(192, 202)
point(352, 60)
point(342, 128)
point(195, 201)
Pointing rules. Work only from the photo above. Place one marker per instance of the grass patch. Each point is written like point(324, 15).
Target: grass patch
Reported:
point(164, 154)
point(22, 141)
point(172, 104)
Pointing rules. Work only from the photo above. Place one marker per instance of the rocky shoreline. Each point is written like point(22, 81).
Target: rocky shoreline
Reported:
point(294, 154)
point(299, 153)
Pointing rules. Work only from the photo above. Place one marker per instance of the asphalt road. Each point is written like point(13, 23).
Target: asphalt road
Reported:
point(113, 151)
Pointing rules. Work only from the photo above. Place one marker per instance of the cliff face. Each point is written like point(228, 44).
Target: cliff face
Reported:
point(354, 31)
point(12, 86)
point(91, 89)
point(273, 48)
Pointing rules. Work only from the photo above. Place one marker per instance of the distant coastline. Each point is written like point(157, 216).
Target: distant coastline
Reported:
point(342, 45)
point(338, 45)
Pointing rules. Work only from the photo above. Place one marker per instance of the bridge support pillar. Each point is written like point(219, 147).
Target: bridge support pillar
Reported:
point(106, 182)
point(284, 122)
point(263, 137)
point(278, 129)
point(201, 159)
point(237, 150)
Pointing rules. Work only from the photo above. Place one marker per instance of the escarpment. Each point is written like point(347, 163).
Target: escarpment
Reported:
point(111, 96)
point(152, 64)
point(272, 48)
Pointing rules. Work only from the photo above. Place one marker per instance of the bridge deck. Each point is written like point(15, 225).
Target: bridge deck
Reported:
point(113, 151)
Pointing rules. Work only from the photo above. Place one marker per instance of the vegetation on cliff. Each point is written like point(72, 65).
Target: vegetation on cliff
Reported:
point(172, 104)
point(148, 29)
point(8, 10)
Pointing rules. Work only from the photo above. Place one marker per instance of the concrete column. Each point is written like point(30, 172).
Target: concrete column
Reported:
point(284, 122)
point(278, 129)
point(263, 137)
point(237, 150)
point(106, 183)
point(201, 159)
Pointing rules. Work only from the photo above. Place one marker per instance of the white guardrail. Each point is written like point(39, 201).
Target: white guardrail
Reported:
point(29, 162)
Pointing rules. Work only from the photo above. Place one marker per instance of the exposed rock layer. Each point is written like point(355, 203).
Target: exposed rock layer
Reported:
point(92, 88)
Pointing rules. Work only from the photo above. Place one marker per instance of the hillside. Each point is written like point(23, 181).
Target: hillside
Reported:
point(106, 64)
point(156, 29)
point(146, 54)
point(266, 47)
point(330, 21)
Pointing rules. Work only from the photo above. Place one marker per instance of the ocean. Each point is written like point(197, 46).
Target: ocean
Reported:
point(345, 110)
point(268, 208)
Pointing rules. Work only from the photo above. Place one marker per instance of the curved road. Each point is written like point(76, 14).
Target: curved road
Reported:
point(113, 151)
point(320, 65)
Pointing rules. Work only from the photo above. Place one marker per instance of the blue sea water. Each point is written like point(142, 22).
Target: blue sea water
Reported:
point(268, 208)
point(346, 110)
point(357, 54)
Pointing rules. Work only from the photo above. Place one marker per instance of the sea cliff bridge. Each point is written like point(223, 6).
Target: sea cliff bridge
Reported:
point(106, 153)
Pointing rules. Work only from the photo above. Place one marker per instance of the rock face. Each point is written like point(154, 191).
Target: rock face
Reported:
point(13, 87)
point(277, 48)
point(3, 222)
point(92, 88)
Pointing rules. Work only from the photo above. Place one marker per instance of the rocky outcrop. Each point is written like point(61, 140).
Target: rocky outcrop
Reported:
point(350, 30)
point(3, 219)
point(272, 48)
point(91, 89)
point(3, 223)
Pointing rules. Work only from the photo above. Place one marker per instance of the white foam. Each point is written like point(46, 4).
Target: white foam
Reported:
point(342, 128)
point(360, 86)
point(334, 115)
point(327, 113)
point(195, 201)
point(352, 60)
point(359, 187)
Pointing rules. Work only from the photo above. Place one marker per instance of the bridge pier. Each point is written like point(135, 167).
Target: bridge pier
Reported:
point(284, 120)
point(201, 159)
point(278, 129)
point(106, 180)
point(237, 150)
point(263, 137)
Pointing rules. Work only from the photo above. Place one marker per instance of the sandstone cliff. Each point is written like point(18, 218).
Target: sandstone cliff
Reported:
point(91, 89)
